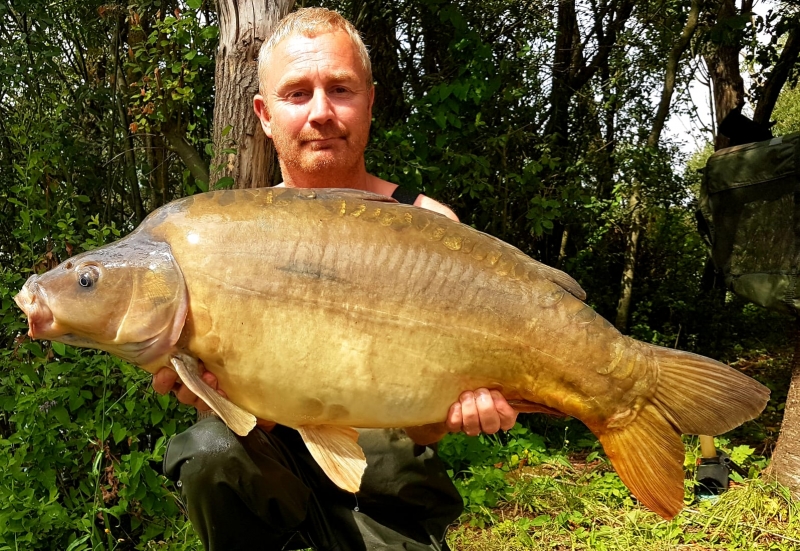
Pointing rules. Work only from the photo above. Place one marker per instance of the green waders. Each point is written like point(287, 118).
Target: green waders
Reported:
point(264, 491)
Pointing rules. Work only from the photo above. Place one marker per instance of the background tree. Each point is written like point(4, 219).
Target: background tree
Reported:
point(244, 155)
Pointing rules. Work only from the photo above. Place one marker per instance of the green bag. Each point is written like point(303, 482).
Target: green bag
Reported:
point(750, 204)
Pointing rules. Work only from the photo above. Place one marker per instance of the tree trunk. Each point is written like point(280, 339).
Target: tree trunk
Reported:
point(563, 70)
point(241, 150)
point(723, 69)
point(636, 203)
point(785, 466)
point(120, 85)
point(377, 22)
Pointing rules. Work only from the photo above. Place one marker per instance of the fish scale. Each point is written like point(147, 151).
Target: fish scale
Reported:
point(325, 310)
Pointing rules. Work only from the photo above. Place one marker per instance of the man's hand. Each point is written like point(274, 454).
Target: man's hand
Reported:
point(166, 380)
point(475, 412)
point(480, 411)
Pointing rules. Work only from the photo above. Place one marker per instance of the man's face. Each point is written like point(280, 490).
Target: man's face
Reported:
point(318, 103)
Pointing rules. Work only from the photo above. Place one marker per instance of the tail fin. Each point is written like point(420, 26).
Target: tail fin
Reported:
point(695, 395)
point(699, 395)
point(648, 456)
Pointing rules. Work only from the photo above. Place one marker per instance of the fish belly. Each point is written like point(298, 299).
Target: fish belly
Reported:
point(364, 369)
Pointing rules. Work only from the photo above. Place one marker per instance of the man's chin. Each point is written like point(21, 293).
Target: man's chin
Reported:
point(323, 160)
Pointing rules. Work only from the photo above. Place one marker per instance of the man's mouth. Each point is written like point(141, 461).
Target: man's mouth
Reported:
point(331, 144)
point(325, 141)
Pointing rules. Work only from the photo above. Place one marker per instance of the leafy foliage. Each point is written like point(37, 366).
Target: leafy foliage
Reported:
point(106, 114)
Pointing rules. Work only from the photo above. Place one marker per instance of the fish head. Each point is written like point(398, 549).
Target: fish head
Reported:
point(128, 298)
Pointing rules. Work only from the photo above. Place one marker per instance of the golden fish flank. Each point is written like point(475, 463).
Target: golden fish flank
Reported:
point(304, 303)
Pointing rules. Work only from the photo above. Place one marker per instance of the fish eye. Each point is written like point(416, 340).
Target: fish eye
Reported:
point(88, 277)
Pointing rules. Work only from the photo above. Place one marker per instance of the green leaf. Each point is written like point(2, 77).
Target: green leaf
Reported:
point(61, 415)
point(79, 544)
point(35, 348)
point(59, 348)
point(137, 460)
point(156, 415)
point(224, 183)
point(194, 4)
point(119, 432)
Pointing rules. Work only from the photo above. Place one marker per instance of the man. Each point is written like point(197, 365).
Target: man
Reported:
point(264, 491)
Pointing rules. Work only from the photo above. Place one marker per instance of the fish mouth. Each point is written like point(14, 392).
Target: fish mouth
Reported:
point(33, 303)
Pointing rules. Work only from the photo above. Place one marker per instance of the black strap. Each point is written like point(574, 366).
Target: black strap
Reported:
point(405, 195)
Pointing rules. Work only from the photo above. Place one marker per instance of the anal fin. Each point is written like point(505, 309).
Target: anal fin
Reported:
point(648, 455)
point(237, 419)
point(337, 452)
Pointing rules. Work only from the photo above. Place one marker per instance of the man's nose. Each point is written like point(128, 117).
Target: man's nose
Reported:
point(321, 108)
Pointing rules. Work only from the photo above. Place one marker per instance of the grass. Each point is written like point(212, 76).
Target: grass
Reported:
point(558, 508)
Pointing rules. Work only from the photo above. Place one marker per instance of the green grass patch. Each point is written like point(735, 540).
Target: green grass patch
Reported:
point(559, 508)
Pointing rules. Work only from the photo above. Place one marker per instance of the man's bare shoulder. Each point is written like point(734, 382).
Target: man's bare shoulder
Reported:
point(425, 202)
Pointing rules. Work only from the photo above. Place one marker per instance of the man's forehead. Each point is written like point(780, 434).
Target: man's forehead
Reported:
point(331, 54)
point(336, 42)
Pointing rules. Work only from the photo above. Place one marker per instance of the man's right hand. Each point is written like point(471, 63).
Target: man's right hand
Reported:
point(166, 380)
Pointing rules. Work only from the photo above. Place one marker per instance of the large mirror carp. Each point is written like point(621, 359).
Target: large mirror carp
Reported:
point(325, 310)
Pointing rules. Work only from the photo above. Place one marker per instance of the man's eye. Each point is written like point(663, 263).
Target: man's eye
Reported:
point(297, 94)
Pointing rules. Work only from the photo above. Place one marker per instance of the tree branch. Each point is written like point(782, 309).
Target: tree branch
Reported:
point(186, 151)
point(622, 14)
point(778, 76)
point(672, 70)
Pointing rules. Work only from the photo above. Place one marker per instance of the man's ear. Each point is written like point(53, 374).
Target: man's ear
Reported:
point(262, 112)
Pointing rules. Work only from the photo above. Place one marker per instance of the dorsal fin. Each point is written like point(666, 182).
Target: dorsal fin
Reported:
point(341, 193)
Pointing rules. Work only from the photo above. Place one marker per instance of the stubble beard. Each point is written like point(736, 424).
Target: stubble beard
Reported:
point(295, 153)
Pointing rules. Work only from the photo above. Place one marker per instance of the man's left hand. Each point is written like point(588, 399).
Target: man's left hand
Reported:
point(475, 412)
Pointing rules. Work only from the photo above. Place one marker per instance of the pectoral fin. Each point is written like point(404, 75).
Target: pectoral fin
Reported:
point(337, 452)
point(237, 419)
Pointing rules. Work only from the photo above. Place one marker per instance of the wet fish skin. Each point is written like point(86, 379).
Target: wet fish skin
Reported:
point(338, 308)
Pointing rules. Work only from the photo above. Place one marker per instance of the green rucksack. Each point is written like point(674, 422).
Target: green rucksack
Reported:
point(750, 207)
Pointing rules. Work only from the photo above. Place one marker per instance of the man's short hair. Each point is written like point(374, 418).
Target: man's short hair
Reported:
point(310, 22)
